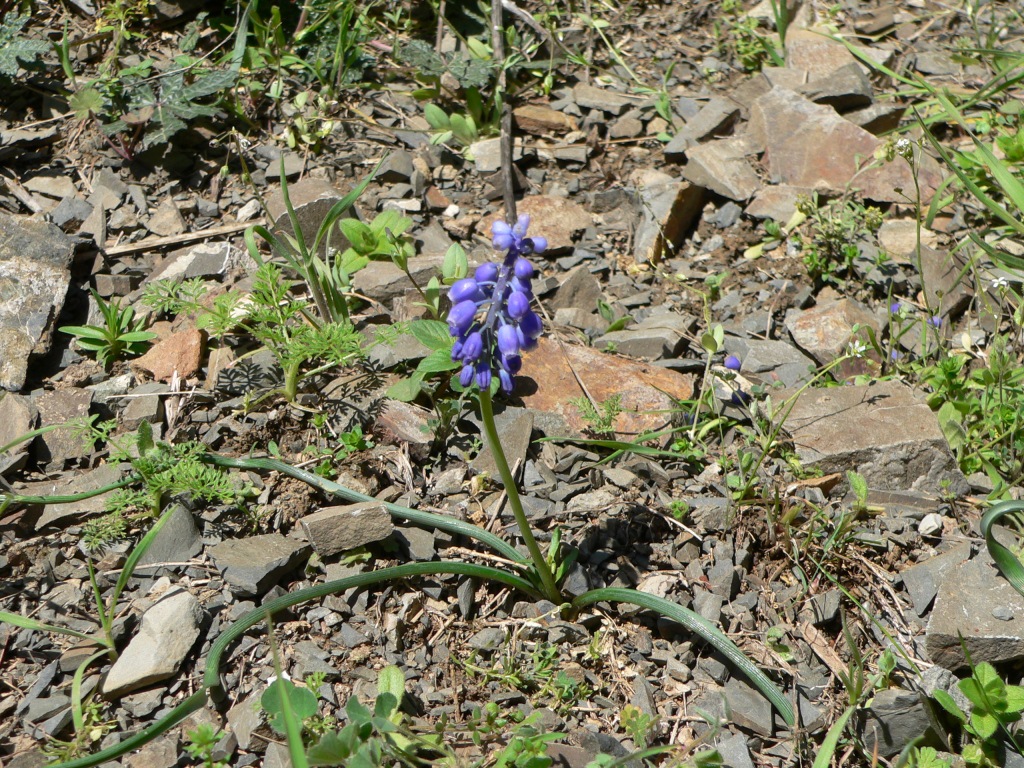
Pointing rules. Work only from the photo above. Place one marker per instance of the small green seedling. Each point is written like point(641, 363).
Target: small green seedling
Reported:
point(996, 707)
point(120, 334)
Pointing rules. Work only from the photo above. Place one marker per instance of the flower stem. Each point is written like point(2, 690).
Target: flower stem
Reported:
point(539, 561)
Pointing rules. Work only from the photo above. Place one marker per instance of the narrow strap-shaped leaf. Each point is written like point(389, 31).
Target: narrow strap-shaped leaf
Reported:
point(416, 517)
point(1008, 563)
point(211, 677)
point(699, 626)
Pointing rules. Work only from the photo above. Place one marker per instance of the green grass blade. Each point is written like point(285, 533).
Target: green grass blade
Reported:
point(26, 623)
point(828, 746)
point(77, 716)
point(699, 626)
point(133, 560)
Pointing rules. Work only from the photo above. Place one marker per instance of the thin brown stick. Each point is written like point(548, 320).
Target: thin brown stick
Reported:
point(187, 237)
point(507, 171)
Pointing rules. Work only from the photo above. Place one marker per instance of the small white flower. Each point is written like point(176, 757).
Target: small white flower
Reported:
point(857, 348)
point(1000, 283)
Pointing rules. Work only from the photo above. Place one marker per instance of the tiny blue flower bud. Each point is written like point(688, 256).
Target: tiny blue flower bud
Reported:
point(540, 244)
point(483, 376)
point(732, 363)
point(460, 318)
point(531, 325)
point(895, 308)
point(503, 237)
point(523, 269)
point(512, 363)
point(518, 305)
point(506, 381)
point(466, 375)
point(464, 289)
point(522, 224)
point(935, 321)
point(508, 340)
point(473, 347)
point(486, 273)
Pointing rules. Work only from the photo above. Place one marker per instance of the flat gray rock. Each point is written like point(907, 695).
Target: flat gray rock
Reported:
point(253, 565)
point(722, 166)
point(734, 752)
point(60, 406)
point(894, 719)
point(35, 263)
point(663, 334)
point(977, 604)
point(311, 200)
point(922, 580)
point(825, 331)
point(668, 207)
point(177, 542)
point(884, 430)
point(337, 529)
point(749, 709)
point(169, 629)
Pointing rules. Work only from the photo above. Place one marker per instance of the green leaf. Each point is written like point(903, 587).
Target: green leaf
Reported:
point(433, 334)
point(406, 390)
point(333, 748)
point(455, 265)
point(357, 713)
point(437, 362)
point(85, 332)
point(1014, 699)
point(14, 48)
point(86, 102)
point(464, 129)
point(136, 336)
point(436, 117)
point(302, 700)
point(858, 485)
point(984, 724)
point(359, 235)
point(828, 746)
point(392, 680)
point(947, 703)
point(26, 623)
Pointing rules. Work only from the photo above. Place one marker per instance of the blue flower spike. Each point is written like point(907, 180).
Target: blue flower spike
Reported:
point(490, 319)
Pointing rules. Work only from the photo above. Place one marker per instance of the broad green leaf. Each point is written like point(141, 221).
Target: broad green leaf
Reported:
point(85, 331)
point(302, 700)
point(464, 129)
point(359, 235)
point(392, 680)
point(437, 362)
point(433, 334)
point(436, 117)
point(406, 390)
point(455, 265)
point(332, 749)
point(136, 336)
point(984, 724)
point(86, 102)
point(356, 712)
point(1014, 698)
point(947, 703)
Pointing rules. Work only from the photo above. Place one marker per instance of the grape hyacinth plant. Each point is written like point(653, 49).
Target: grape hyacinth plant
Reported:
point(491, 319)
point(492, 324)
